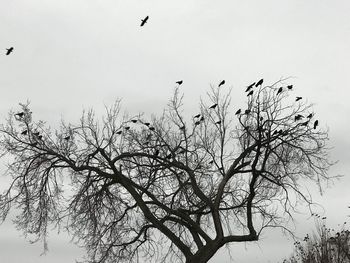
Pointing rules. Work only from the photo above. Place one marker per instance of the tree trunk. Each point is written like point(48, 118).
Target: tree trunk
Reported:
point(205, 253)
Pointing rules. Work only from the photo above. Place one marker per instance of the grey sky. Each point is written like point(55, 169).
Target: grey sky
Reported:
point(71, 55)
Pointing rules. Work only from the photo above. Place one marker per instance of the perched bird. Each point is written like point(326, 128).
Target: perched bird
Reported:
point(197, 116)
point(152, 128)
point(197, 123)
point(66, 138)
point(213, 106)
point(133, 121)
point(144, 21)
point(182, 128)
point(275, 132)
point(298, 98)
point(290, 87)
point(20, 114)
point(260, 82)
point(201, 119)
point(247, 111)
point(211, 162)
point(324, 218)
point(40, 137)
point(309, 116)
point(218, 122)
point(279, 90)
point(221, 83)
point(36, 133)
point(127, 128)
point(147, 124)
point(24, 132)
point(298, 117)
point(119, 132)
point(305, 123)
point(179, 82)
point(250, 93)
point(250, 87)
point(315, 124)
point(9, 51)
point(261, 118)
point(238, 112)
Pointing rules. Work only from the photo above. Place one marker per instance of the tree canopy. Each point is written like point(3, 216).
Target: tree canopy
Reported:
point(171, 187)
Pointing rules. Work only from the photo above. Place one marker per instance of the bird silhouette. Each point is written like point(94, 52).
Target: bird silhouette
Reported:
point(298, 117)
point(211, 162)
point(20, 114)
point(213, 106)
point(309, 116)
point(197, 116)
point(133, 121)
point(66, 138)
point(24, 132)
point(127, 128)
point(238, 112)
point(250, 87)
point(152, 128)
point(147, 124)
point(298, 98)
point(36, 133)
point(201, 119)
point(305, 123)
point(40, 137)
point(9, 51)
point(279, 90)
point(221, 83)
point(247, 111)
point(260, 82)
point(290, 87)
point(144, 21)
point(315, 124)
point(275, 132)
point(197, 123)
point(119, 132)
point(250, 93)
point(179, 82)
point(182, 128)
point(218, 122)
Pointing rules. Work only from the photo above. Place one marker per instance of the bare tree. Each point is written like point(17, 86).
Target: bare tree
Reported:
point(173, 188)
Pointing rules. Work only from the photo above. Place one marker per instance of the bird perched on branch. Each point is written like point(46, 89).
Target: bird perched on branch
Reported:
point(144, 21)
point(279, 90)
point(213, 106)
point(298, 117)
point(20, 114)
point(221, 83)
point(182, 128)
point(9, 51)
point(133, 121)
point(147, 124)
point(250, 93)
point(260, 82)
point(290, 87)
point(152, 128)
point(24, 132)
point(179, 82)
point(119, 132)
point(298, 98)
point(238, 112)
point(309, 116)
point(250, 87)
point(315, 124)
point(218, 122)
point(197, 116)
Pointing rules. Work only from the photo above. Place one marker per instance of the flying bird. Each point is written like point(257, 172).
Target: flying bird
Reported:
point(144, 21)
point(290, 87)
point(238, 112)
point(222, 83)
point(298, 98)
point(260, 82)
point(24, 132)
point(250, 87)
point(213, 106)
point(9, 51)
point(179, 82)
point(197, 116)
point(211, 162)
point(250, 93)
point(20, 114)
point(315, 124)
point(279, 90)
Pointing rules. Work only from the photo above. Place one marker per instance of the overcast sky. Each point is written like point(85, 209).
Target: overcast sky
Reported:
point(70, 55)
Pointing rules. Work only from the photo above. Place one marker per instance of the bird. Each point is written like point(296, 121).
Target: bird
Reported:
point(127, 128)
point(315, 124)
point(298, 117)
point(238, 112)
point(279, 90)
point(260, 82)
point(197, 116)
point(197, 123)
point(182, 128)
point(290, 87)
point(221, 83)
point(201, 119)
point(152, 128)
point(247, 111)
point(9, 51)
point(309, 116)
point(119, 132)
point(305, 123)
point(147, 124)
point(218, 122)
point(179, 82)
point(211, 162)
point(36, 133)
point(298, 98)
point(40, 137)
point(324, 217)
point(213, 106)
point(133, 121)
point(275, 132)
point(66, 138)
point(20, 114)
point(250, 87)
point(250, 93)
point(24, 132)
point(144, 21)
